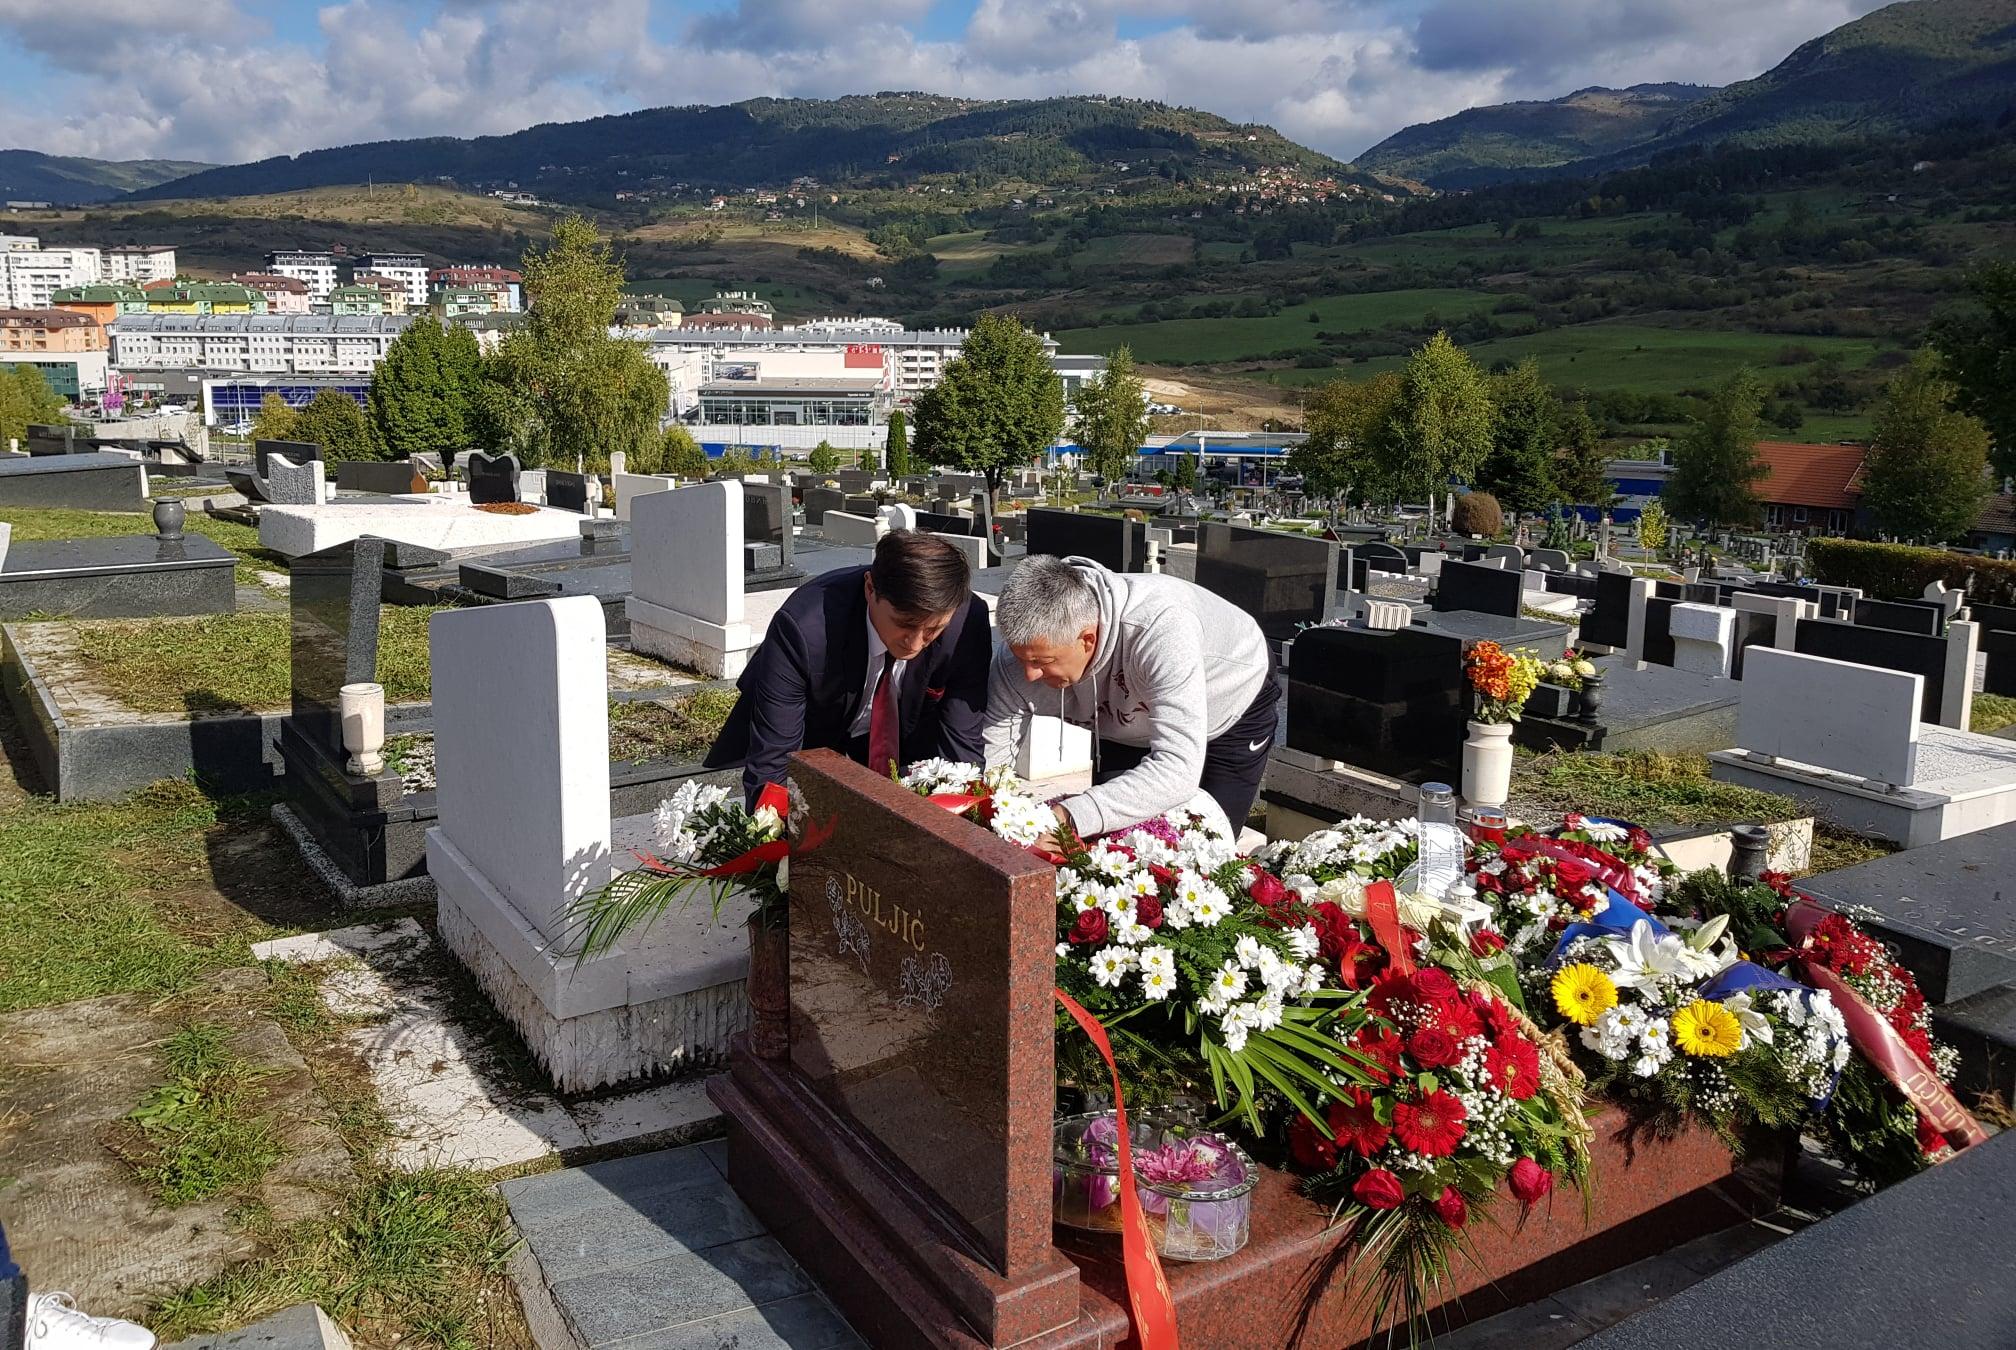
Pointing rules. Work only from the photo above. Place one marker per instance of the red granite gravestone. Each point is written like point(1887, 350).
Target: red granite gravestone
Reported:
point(903, 1148)
point(902, 1151)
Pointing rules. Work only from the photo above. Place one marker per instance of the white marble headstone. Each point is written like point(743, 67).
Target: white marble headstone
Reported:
point(1704, 638)
point(686, 551)
point(1854, 719)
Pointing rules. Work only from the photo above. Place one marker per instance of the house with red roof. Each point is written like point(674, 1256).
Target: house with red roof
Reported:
point(1811, 488)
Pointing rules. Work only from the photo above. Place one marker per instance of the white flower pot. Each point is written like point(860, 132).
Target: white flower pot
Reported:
point(362, 707)
point(1487, 764)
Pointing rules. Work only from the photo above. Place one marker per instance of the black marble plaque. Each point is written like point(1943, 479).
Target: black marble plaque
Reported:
point(1479, 588)
point(1110, 541)
point(1903, 616)
point(567, 491)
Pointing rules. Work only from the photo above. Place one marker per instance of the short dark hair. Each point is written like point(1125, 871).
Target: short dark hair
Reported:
point(920, 574)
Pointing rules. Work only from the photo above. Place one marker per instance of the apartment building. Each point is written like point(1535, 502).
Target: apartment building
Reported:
point(316, 270)
point(48, 330)
point(284, 295)
point(32, 276)
point(408, 269)
point(279, 344)
point(506, 286)
point(139, 263)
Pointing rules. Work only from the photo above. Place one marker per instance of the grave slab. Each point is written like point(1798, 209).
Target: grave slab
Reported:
point(96, 481)
point(137, 576)
point(436, 522)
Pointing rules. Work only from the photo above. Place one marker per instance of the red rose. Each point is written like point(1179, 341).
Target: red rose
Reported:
point(1572, 874)
point(1148, 912)
point(1449, 1207)
point(1514, 1065)
point(1433, 1048)
point(1391, 991)
point(1486, 942)
point(1090, 928)
point(1164, 876)
point(1529, 1181)
point(1265, 887)
point(1379, 1189)
point(1638, 840)
point(1309, 1146)
point(1435, 986)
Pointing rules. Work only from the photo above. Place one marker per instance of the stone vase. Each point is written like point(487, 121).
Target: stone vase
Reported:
point(1590, 704)
point(362, 707)
point(169, 513)
point(769, 989)
point(1487, 764)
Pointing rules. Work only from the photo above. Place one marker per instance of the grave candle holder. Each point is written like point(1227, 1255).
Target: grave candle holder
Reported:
point(362, 707)
point(1591, 702)
point(1196, 1187)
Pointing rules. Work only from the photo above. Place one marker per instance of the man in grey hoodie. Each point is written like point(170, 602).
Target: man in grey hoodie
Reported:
point(1176, 685)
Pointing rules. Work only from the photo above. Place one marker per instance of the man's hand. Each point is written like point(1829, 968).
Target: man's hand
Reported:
point(1053, 842)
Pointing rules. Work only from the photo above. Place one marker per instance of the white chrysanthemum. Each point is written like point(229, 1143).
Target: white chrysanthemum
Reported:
point(1021, 820)
point(1063, 950)
point(1110, 965)
point(1157, 984)
point(1210, 908)
point(1119, 902)
point(1303, 942)
point(1314, 978)
point(1088, 896)
point(1247, 951)
point(1134, 934)
point(1229, 983)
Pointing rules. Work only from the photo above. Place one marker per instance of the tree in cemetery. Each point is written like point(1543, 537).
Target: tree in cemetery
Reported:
point(997, 406)
point(1928, 462)
point(1109, 417)
point(1184, 479)
point(1715, 463)
point(275, 421)
point(823, 459)
point(681, 454)
point(1442, 426)
point(560, 388)
point(1478, 513)
point(333, 421)
point(896, 450)
point(1519, 470)
point(1344, 456)
point(1652, 527)
point(423, 394)
point(26, 400)
point(1582, 465)
point(1979, 344)
point(733, 460)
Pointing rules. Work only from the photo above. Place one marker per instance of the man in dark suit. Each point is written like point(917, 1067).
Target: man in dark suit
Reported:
point(886, 664)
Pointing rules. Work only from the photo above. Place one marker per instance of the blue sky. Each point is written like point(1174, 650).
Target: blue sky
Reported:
point(231, 80)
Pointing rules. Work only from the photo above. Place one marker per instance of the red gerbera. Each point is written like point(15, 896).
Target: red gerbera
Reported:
point(1514, 1065)
point(1431, 1125)
point(1383, 1047)
point(1459, 1020)
point(1355, 1125)
point(1496, 1016)
point(1309, 1146)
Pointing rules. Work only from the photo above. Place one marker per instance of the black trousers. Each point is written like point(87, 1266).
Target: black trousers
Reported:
point(1234, 762)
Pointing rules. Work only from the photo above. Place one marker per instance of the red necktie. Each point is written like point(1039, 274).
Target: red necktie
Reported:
point(882, 727)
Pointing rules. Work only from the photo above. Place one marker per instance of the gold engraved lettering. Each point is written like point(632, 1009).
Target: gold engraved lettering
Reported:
point(907, 927)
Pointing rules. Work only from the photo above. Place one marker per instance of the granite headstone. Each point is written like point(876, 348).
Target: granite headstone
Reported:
point(492, 478)
point(567, 491)
point(333, 602)
point(1388, 701)
point(1480, 588)
point(1284, 581)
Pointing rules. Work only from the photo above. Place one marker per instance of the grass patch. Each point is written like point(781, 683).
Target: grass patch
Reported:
point(408, 1259)
point(77, 918)
point(200, 1134)
point(642, 730)
point(1992, 712)
point(1655, 790)
point(293, 998)
point(1231, 339)
point(1835, 848)
point(40, 523)
point(232, 662)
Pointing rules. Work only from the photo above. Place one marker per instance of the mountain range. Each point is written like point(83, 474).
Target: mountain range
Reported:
point(1900, 68)
point(868, 140)
point(30, 175)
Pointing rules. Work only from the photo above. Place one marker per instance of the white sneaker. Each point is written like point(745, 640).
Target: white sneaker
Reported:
point(54, 1323)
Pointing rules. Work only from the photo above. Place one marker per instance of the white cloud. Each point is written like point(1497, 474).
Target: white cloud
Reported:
point(219, 83)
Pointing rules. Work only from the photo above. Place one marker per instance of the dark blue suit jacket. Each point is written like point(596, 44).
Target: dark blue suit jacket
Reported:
point(803, 687)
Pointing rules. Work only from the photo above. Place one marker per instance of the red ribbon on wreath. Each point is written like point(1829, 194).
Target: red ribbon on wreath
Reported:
point(1148, 1296)
point(1879, 1042)
point(1382, 911)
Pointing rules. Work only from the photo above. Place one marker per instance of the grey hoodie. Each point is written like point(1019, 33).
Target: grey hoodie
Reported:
point(1174, 667)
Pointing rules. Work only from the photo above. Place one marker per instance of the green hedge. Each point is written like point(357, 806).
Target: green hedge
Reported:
point(1902, 571)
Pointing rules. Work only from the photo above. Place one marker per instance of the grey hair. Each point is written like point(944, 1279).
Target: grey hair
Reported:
point(1046, 598)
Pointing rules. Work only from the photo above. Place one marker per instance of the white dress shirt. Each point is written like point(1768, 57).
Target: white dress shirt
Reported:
point(877, 649)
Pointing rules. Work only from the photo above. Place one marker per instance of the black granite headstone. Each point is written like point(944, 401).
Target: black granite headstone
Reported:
point(819, 500)
point(60, 438)
point(1658, 647)
point(491, 478)
point(360, 475)
point(1382, 557)
point(1571, 583)
point(502, 583)
point(1283, 580)
point(333, 599)
point(1479, 588)
point(860, 504)
point(1390, 701)
point(1911, 652)
point(854, 480)
point(1107, 540)
point(1608, 621)
point(300, 452)
point(1998, 646)
point(1752, 630)
point(567, 491)
point(1902, 616)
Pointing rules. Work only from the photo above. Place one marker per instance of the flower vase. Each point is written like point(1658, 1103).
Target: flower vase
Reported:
point(169, 513)
point(769, 988)
point(1487, 764)
point(1591, 702)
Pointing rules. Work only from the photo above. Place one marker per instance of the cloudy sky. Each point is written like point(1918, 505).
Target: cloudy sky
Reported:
point(232, 80)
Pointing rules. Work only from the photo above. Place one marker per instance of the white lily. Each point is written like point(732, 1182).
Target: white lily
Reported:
point(1756, 1026)
point(1645, 960)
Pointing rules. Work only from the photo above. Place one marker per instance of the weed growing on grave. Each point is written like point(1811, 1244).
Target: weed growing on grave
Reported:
point(231, 662)
point(409, 1258)
point(201, 1133)
point(1652, 789)
point(89, 896)
point(1992, 712)
point(642, 730)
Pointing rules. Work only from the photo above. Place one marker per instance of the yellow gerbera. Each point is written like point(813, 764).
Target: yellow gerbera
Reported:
point(1582, 992)
point(1704, 1027)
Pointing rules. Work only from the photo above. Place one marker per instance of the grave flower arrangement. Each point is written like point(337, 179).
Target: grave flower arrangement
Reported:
point(1873, 1123)
point(709, 844)
point(1501, 681)
point(1570, 669)
point(1539, 884)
